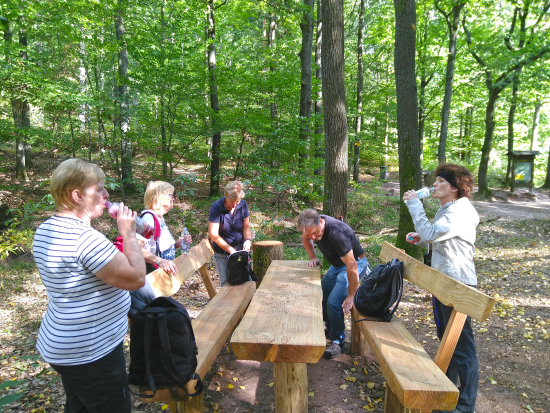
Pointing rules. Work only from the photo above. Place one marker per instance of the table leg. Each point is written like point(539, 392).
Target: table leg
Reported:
point(290, 387)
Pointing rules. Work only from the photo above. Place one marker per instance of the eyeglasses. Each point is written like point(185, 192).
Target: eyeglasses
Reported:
point(173, 196)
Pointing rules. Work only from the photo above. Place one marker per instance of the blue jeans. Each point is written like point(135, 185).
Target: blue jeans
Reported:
point(221, 266)
point(464, 364)
point(335, 290)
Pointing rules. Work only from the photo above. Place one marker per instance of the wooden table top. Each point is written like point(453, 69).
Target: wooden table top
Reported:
point(284, 321)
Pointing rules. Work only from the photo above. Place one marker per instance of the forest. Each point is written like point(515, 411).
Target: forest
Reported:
point(237, 86)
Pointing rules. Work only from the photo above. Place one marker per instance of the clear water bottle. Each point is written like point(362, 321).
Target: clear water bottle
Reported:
point(142, 228)
point(184, 244)
point(425, 192)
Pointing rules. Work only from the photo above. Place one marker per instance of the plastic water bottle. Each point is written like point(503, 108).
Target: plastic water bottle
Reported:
point(425, 192)
point(184, 244)
point(142, 228)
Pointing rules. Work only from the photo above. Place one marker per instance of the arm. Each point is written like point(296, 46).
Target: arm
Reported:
point(213, 233)
point(167, 265)
point(353, 280)
point(308, 245)
point(247, 234)
point(126, 270)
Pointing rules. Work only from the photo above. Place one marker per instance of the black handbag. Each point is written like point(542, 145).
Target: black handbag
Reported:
point(239, 269)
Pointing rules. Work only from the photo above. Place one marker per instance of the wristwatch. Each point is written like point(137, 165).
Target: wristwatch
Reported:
point(158, 261)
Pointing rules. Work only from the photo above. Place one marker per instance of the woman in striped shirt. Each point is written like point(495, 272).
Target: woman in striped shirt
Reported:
point(87, 282)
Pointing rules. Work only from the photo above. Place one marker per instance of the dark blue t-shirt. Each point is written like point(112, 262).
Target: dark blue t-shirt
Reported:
point(231, 227)
point(338, 239)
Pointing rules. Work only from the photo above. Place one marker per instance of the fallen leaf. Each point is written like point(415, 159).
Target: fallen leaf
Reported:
point(235, 379)
point(365, 371)
point(343, 387)
point(524, 395)
point(353, 370)
point(229, 386)
point(164, 407)
point(370, 385)
point(242, 387)
point(270, 384)
point(311, 394)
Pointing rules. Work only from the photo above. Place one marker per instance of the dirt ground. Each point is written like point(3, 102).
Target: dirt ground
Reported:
point(512, 260)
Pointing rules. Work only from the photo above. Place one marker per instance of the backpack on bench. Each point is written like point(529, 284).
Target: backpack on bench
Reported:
point(239, 269)
point(163, 350)
point(381, 290)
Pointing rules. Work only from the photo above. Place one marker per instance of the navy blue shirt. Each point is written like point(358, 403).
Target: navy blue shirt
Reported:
point(338, 239)
point(231, 227)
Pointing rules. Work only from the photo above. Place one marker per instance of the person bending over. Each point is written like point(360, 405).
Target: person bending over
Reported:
point(348, 265)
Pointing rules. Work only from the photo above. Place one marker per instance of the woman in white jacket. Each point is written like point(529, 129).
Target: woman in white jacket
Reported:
point(452, 235)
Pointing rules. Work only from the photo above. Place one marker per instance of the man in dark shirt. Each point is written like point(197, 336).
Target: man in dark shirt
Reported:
point(348, 265)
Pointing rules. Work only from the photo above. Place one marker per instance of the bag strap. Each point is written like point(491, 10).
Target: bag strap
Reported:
point(147, 335)
point(397, 290)
point(166, 353)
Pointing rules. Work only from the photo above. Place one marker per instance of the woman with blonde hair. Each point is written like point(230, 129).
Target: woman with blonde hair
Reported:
point(87, 282)
point(158, 200)
point(229, 226)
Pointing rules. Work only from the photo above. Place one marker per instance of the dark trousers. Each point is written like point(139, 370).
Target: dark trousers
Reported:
point(97, 387)
point(464, 363)
point(140, 298)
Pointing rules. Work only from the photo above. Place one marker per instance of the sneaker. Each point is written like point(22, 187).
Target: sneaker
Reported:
point(333, 350)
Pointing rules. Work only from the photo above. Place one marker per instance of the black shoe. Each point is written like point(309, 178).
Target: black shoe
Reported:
point(333, 350)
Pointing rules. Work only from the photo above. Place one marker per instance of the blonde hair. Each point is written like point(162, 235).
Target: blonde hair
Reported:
point(234, 190)
point(70, 175)
point(154, 194)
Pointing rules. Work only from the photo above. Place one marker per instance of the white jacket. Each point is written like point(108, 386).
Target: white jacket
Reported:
point(453, 234)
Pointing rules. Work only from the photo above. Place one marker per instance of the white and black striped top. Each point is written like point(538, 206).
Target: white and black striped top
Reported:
point(86, 318)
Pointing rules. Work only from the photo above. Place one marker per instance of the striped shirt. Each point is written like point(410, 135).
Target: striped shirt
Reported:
point(86, 318)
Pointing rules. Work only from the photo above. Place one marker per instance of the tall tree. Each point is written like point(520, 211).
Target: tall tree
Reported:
point(495, 86)
point(123, 97)
point(334, 108)
point(306, 25)
point(214, 103)
point(359, 105)
point(453, 20)
point(410, 171)
point(319, 95)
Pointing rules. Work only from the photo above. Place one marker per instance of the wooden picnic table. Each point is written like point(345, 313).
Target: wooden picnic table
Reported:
point(284, 325)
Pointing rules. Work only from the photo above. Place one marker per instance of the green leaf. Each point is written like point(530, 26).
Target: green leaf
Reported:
point(10, 399)
point(11, 383)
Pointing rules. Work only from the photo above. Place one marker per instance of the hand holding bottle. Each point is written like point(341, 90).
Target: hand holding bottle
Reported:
point(419, 194)
point(412, 238)
point(126, 221)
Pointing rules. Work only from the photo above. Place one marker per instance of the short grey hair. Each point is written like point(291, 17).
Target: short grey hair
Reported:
point(308, 218)
point(234, 191)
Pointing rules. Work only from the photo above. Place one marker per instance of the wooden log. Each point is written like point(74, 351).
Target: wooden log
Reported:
point(359, 345)
point(290, 387)
point(449, 291)
point(165, 285)
point(264, 252)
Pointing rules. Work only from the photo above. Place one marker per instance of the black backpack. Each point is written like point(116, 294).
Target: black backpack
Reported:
point(381, 290)
point(162, 347)
point(239, 269)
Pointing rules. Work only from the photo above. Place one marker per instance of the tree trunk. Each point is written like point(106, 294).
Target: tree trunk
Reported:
point(264, 252)
point(547, 180)
point(271, 35)
point(21, 115)
point(214, 104)
point(335, 118)
point(410, 173)
point(359, 107)
point(421, 110)
point(534, 135)
point(451, 56)
point(123, 97)
point(483, 186)
point(305, 85)
point(319, 154)
point(511, 115)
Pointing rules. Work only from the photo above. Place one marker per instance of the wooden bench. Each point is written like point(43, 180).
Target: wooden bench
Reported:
point(284, 325)
point(415, 383)
point(212, 327)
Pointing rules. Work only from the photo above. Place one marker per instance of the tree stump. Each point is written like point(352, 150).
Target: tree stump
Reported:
point(265, 252)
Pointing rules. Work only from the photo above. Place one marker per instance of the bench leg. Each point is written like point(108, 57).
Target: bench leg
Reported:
point(290, 387)
point(359, 346)
point(393, 405)
point(191, 405)
point(207, 281)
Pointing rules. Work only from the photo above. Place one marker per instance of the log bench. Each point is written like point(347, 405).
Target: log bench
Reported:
point(212, 327)
point(415, 383)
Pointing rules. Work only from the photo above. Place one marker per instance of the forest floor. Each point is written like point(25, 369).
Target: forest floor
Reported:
point(513, 264)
